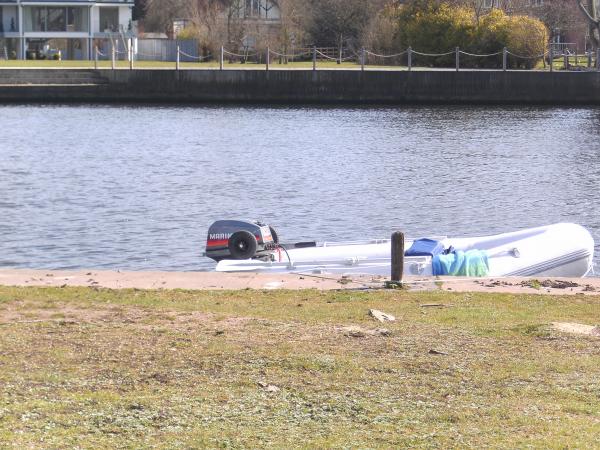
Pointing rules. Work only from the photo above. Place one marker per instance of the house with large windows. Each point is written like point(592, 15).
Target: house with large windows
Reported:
point(71, 28)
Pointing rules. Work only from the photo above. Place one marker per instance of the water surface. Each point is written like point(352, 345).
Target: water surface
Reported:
point(136, 187)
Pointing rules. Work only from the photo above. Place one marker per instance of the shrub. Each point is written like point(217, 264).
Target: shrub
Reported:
point(436, 28)
point(381, 33)
point(188, 33)
point(431, 27)
point(527, 37)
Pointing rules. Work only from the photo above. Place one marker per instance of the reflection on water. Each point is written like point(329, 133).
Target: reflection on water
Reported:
point(137, 187)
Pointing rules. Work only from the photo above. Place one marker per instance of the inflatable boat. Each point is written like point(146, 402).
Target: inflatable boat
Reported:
point(559, 250)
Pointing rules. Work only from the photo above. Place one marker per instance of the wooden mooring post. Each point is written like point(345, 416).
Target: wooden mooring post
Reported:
point(268, 59)
point(457, 56)
point(397, 257)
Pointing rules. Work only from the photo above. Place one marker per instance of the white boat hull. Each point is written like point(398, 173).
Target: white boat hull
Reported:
point(559, 250)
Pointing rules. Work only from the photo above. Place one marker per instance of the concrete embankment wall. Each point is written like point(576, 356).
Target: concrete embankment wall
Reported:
point(300, 86)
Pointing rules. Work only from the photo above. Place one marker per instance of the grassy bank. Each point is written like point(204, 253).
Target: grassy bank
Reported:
point(101, 368)
point(300, 65)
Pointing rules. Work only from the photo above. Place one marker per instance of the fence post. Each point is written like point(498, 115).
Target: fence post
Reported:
point(551, 58)
point(221, 59)
point(566, 61)
point(409, 62)
point(589, 59)
point(112, 56)
point(130, 52)
point(340, 55)
point(96, 57)
point(177, 60)
point(397, 257)
point(363, 55)
point(268, 58)
point(457, 59)
point(504, 58)
point(314, 58)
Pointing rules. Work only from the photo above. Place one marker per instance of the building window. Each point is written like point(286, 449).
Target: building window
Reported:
point(38, 19)
point(76, 19)
point(109, 20)
point(252, 8)
point(55, 19)
point(488, 3)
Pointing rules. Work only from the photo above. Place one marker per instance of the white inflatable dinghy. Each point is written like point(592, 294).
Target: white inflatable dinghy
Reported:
point(559, 250)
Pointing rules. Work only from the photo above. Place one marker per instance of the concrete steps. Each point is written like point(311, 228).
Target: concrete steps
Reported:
point(51, 77)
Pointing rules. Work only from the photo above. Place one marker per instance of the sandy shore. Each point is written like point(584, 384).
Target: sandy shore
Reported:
point(218, 281)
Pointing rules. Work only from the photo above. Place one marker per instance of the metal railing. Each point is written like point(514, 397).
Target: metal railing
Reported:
point(502, 57)
point(563, 47)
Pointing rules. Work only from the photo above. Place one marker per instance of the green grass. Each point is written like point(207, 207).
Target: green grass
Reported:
point(558, 64)
point(303, 65)
point(169, 65)
point(133, 368)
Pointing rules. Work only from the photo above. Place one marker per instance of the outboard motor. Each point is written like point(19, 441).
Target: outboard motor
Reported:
point(240, 239)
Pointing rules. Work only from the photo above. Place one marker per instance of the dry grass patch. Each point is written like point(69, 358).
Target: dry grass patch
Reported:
point(103, 368)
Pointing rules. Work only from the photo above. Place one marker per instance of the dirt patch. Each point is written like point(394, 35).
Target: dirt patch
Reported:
point(19, 312)
point(559, 284)
point(577, 328)
point(553, 284)
point(360, 332)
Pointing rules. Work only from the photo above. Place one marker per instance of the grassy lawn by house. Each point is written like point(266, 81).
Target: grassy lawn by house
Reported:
point(93, 367)
point(306, 65)
point(168, 65)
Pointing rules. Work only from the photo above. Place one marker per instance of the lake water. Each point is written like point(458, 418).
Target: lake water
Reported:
point(136, 187)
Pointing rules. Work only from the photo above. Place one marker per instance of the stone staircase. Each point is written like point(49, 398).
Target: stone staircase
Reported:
point(45, 77)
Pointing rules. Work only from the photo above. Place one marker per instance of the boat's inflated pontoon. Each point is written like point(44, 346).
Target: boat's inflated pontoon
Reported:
point(559, 250)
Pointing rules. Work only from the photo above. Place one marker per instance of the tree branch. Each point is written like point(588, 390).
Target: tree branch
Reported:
point(588, 15)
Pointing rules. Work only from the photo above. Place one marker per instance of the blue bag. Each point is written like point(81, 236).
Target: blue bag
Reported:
point(425, 247)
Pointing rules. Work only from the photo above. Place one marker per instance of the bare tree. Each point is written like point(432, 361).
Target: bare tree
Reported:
point(235, 29)
point(161, 13)
point(291, 31)
point(590, 11)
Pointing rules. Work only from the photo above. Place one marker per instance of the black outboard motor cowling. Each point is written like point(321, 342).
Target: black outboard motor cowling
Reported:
point(240, 239)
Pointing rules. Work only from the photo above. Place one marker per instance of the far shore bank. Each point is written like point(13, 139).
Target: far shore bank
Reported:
point(258, 281)
point(326, 86)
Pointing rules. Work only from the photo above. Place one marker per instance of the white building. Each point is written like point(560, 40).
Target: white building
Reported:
point(258, 9)
point(42, 28)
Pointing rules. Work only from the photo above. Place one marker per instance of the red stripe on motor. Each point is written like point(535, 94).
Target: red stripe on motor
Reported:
point(217, 243)
point(224, 242)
